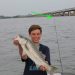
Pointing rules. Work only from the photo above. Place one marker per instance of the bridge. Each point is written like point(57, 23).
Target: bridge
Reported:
point(64, 12)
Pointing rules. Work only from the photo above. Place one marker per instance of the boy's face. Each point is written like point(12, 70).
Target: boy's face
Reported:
point(35, 35)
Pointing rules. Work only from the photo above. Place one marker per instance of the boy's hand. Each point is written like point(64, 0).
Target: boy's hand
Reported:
point(43, 68)
point(24, 56)
point(15, 42)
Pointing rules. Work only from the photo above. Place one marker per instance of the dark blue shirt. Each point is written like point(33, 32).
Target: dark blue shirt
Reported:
point(31, 69)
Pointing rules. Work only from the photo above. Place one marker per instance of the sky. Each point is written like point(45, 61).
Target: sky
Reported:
point(24, 7)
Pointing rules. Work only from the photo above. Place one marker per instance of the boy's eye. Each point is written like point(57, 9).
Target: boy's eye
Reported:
point(38, 33)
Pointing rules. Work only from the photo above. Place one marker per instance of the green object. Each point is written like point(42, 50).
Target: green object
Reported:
point(48, 16)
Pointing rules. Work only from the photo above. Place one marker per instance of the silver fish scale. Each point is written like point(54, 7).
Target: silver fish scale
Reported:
point(43, 56)
point(37, 50)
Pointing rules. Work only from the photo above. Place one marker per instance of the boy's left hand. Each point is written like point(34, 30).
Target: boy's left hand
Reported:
point(43, 68)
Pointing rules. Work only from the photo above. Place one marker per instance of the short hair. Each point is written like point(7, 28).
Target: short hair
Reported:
point(34, 27)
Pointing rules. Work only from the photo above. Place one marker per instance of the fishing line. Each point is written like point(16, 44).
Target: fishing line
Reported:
point(60, 59)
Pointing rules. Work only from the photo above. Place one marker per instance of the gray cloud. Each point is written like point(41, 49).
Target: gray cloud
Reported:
point(22, 7)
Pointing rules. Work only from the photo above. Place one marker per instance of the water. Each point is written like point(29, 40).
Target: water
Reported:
point(10, 63)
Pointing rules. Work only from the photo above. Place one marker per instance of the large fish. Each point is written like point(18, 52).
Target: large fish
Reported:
point(34, 54)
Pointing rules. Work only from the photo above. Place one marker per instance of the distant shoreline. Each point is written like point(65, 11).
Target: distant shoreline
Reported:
point(26, 17)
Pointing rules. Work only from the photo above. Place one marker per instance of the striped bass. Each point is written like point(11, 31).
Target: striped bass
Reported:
point(34, 54)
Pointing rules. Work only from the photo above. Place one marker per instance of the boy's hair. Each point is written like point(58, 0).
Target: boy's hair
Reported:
point(34, 27)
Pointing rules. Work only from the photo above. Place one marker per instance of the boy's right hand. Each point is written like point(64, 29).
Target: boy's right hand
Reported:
point(15, 42)
point(24, 56)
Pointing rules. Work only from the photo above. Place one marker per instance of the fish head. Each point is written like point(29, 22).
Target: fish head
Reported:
point(17, 37)
point(21, 39)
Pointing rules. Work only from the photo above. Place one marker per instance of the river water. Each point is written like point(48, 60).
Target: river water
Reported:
point(58, 35)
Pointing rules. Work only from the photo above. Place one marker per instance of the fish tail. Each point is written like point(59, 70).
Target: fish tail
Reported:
point(53, 67)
